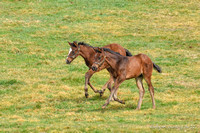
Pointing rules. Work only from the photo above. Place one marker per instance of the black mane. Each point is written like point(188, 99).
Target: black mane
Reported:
point(105, 49)
point(85, 44)
point(110, 51)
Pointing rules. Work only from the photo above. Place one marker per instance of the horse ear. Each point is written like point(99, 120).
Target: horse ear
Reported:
point(103, 51)
point(75, 43)
point(95, 49)
point(70, 43)
point(100, 50)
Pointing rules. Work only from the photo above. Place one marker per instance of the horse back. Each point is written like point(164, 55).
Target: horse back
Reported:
point(116, 48)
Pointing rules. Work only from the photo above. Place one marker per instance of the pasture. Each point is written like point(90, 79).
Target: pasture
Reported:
point(39, 92)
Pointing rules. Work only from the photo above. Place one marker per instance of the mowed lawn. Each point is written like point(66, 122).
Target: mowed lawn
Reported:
point(39, 92)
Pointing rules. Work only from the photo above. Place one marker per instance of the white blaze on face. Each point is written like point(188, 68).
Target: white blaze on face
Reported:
point(69, 51)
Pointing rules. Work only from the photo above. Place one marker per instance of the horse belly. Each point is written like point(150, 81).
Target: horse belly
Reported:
point(133, 71)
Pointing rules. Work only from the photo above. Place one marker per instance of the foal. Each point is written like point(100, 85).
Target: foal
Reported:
point(139, 66)
point(87, 52)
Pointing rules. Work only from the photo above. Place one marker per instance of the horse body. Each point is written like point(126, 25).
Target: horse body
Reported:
point(88, 54)
point(139, 66)
point(129, 67)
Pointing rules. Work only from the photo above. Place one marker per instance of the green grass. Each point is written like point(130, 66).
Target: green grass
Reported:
point(40, 93)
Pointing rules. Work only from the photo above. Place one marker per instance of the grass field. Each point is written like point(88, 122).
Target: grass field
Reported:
point(40, 93)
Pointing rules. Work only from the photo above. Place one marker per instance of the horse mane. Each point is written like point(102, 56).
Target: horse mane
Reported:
point(85, 44)
point(105, 49)
point(110, 51)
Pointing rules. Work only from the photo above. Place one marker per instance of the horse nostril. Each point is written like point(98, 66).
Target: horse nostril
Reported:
point(67, 61)
point(94, 68)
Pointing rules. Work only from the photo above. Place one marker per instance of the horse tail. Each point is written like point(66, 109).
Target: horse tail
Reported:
point(128, 53)
point(157, 68)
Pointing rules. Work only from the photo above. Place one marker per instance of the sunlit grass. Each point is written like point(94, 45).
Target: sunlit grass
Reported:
point(40, 93)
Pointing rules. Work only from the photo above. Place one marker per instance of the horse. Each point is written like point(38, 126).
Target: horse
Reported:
point(87, 52)
point(123, 68)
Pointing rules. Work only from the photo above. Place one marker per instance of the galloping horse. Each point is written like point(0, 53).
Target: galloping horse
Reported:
point(87, 52)
point(122, 68)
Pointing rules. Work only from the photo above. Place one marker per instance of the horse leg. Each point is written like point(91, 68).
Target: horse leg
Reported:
point(115, 97)
point(141, 91)
point(105, 86)
point(110, 88)
point(88, 75)
point(110, 98)
point(113, 90)
point(108, 83)
point(151, 90)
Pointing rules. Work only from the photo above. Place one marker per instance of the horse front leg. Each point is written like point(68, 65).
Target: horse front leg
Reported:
point(108, 83)
point(116, 99)
point(88, 75)
point(110, 98)
point(113, 91)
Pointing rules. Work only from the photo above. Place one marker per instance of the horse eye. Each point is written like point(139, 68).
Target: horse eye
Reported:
point(99, 58)
point(72, 52)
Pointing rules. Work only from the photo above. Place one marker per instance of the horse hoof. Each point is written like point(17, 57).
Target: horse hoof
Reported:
point(101, 93)
point(123, 102)
point(137, 109)
point(86, 95)
point(103, 107)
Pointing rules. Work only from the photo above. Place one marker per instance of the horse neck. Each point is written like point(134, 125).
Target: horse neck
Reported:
point(112, 59)
point(88, 54)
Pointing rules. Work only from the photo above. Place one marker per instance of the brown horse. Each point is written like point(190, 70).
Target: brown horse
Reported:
point(87, 52)
point(122, 68)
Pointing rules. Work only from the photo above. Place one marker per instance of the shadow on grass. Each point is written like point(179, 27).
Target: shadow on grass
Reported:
point(8, 86)
point(131, 106)
point(97, 97)
point(94, 104)
point(90, 98)
point(111, 108)
point(7, 83)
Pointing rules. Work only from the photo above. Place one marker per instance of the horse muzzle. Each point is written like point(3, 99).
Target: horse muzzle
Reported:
point(68, 62)
point(94, 68)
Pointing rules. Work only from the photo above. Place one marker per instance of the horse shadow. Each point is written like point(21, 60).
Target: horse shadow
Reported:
point(90, 98)
point(94, 104)
point(114, 108)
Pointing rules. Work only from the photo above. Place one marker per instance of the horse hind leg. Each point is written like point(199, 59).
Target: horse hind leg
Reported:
point(151, 90)
point(141, 91)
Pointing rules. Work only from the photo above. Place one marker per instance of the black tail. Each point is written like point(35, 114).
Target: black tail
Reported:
point(128, 53)
point(157, 68)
